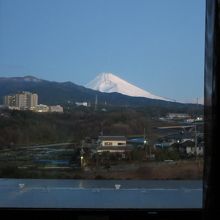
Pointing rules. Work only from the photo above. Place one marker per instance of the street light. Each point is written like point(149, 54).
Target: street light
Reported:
point(81, 161)
point(145, 142)
point(145, 147)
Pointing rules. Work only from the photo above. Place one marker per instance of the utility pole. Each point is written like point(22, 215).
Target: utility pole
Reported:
point(81, 155)
point(97, 158)
point(96, 102)
point(195, 141)
point(149, 144)
point(145, 145)
point(145, 142)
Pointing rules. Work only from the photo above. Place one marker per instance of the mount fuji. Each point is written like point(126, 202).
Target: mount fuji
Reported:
point(109, 83)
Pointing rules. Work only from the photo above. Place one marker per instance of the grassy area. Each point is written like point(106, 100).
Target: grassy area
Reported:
point(178, 170)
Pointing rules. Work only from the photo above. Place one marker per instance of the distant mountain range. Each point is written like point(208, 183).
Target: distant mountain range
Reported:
point(52, 93)
point(108, 82)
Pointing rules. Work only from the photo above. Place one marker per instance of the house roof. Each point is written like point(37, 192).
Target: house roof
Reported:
point(176, 136)
point(112, 138)
point(188, 144)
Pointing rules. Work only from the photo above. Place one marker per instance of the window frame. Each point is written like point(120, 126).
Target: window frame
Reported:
point(211, 191)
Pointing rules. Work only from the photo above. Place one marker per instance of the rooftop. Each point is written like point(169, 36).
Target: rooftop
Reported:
point(112, 138)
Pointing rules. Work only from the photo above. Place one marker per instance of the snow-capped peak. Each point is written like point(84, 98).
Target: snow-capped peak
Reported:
point(108, 82)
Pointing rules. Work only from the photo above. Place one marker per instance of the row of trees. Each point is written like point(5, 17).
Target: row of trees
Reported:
point(25, 127)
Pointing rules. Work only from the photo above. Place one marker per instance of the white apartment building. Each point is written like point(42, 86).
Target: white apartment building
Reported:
point(23, 100)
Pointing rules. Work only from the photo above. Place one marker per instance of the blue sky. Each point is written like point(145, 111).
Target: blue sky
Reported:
point(157, 45)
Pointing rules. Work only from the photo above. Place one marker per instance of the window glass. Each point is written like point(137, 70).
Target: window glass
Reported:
point(102, 99)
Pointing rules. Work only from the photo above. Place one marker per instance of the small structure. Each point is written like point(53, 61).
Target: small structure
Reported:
point(190, 149)
point(85, 104)
point(56, 108)
point(41, 108)
point(117, 186)
point(176, 116)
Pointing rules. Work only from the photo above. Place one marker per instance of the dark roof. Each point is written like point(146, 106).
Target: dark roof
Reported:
point(180, 136)
point(112, 138)
point(188, 144)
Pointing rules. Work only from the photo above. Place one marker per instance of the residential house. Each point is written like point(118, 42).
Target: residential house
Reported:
point(178, 138)
point(189, 148)
point(112, 144)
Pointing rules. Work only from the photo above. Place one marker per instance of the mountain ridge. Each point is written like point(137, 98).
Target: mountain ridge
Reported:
point(53, 93)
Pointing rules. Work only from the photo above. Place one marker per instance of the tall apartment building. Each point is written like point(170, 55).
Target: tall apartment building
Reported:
point(23, 100)
point(9, 100)
point(33, 100)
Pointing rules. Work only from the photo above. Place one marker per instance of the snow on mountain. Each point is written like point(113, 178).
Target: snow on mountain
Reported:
point(22, 79)
point(108, 82)
point(31, 79)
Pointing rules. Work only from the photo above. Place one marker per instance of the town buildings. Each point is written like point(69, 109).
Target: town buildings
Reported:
point(28, 101)
point(21, 101)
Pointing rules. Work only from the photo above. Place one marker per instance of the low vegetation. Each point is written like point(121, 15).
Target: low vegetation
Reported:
point(23, 131)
